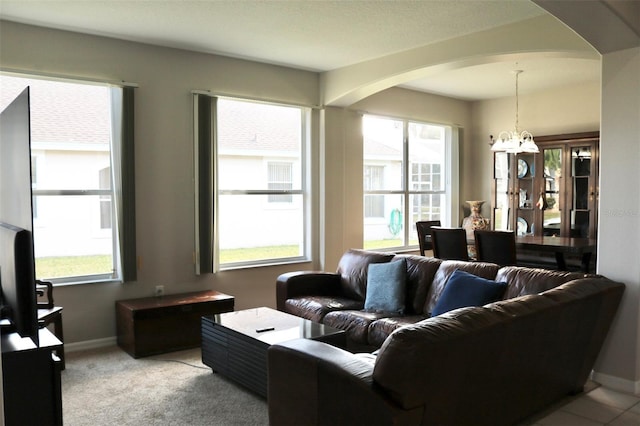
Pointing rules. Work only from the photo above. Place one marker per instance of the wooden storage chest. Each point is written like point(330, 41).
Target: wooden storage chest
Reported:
point(154, 325)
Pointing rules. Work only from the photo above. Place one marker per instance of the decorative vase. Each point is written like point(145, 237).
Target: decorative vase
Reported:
point(472, 222)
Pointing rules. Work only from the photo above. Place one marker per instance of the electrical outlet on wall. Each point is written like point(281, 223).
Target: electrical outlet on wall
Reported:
point(159, 290)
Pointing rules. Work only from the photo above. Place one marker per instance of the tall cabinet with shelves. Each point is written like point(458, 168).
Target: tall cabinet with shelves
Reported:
point(551, 193)
point(513, 190)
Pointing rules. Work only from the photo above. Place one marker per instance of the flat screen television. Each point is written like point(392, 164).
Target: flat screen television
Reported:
point(17, 265)
point(18, 281)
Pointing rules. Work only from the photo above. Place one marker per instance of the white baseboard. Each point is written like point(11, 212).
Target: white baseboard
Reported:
point(90, 344)
point(616, 383)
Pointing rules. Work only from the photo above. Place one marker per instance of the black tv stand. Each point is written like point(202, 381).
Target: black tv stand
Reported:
point(31, 380)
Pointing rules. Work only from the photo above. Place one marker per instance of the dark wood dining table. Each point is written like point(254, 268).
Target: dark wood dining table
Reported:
point(560, 246)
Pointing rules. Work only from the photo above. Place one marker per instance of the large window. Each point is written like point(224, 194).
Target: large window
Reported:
point(75, 237)
point(405, 169)
point(261, 191)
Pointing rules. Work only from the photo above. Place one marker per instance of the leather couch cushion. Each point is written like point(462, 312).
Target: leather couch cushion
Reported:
point(420, 273)
point(465, 289)
point(380, 329)
point(480, 269)
point(448, 346)
point(355, 323)
point(315, 308)
point(353, 267)
point(523, 281)
point(386, 287)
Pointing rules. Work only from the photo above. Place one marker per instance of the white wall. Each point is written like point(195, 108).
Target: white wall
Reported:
point(164, 158)
point(619, 226)
point(565, 110)
point(340, 186)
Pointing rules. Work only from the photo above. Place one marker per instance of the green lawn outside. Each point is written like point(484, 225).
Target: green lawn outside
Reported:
point(73, 266)
point(258, 253)
point(378, 244)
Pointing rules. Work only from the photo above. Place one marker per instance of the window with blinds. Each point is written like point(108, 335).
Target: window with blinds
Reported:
point(280, 178)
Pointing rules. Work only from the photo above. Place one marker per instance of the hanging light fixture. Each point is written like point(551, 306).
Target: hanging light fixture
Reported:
point(515, 141)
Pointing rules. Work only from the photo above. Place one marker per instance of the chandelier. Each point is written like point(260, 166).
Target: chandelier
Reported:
point(514, 141)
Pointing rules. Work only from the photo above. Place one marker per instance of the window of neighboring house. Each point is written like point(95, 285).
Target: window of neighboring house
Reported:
point(405, 165)
point(104, 177)
point(72, 188)
point(373, 180)
point(425, 177)
point(280, 178)
point(260, 219)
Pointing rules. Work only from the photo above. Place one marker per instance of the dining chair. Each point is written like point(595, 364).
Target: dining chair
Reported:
point(449, 243)
point(423, 227)
point(496, 247)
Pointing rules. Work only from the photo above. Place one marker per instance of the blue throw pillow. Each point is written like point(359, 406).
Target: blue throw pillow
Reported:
point(386, 286)
point(465, 289)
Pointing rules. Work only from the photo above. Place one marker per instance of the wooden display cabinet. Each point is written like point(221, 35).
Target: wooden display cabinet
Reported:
point(551, 193)
point(570, 184)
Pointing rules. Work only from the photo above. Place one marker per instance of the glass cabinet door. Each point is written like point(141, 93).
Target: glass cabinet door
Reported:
point(501, 202)
point(549, 201)
point(583, 191)
point(514, 192)
point(524, 193)
point(550, 193)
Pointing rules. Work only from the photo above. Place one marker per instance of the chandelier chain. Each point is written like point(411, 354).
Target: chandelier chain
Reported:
point(515, 142)
point(517, 101)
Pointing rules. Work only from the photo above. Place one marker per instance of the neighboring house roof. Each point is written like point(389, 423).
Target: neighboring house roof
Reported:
point(375, 148)
point(270, 127)
point(60, 115)
point(63, 116)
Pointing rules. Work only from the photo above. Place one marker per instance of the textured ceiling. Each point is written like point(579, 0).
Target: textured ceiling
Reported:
point(311, 35)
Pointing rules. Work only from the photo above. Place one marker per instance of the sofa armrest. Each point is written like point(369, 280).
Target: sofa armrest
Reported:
point(303, 283)
point(312, 383)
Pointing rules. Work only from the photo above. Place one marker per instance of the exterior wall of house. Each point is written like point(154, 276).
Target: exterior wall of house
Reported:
point(242, 220)
point(54, 215)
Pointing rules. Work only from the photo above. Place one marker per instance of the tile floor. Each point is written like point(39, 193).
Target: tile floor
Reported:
point(595, 407)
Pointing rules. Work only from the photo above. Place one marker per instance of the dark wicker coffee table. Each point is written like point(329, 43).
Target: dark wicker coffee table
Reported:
point(235, 344)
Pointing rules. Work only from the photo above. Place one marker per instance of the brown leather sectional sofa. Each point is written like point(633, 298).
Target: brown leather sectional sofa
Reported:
point(495, 364)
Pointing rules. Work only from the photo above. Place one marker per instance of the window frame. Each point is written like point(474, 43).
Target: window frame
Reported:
point(407, 192)
point(208, 258)
point(123, 254)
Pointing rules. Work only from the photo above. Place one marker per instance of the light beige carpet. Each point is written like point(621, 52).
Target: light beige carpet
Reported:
point(108, 387)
